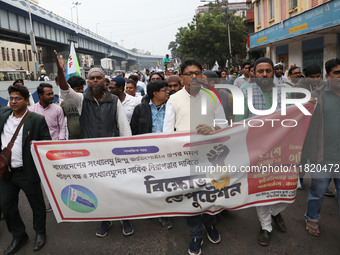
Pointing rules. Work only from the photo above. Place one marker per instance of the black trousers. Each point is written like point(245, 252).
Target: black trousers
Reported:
point(197, 223)
point(9, 193)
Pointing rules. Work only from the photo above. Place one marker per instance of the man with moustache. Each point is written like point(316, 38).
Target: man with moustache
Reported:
point(173, 84)
point(262, 100)
point(101, 115)
point(322, 144)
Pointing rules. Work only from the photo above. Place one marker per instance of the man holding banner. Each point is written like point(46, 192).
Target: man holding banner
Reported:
point(24, 175)
point(181, 115)
point(262, 98)
point(101, 115)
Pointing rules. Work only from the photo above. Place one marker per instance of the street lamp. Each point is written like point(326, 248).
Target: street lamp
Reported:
point(97, 28)
point(32, 38)
point(76, 5)
point(72, 13)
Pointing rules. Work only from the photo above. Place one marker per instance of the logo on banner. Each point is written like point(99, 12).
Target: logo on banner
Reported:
point(79, 199)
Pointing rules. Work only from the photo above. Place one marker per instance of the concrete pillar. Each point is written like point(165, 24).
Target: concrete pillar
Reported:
point(48, 59)
point(118, 64)
point(295, 54)
point(329, 48)
point(97, 60)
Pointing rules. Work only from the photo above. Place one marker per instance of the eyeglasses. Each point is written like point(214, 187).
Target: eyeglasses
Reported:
point(191, 74)
point(163, 90)
point(112, 88)
point(297, 73)
point(16, 99)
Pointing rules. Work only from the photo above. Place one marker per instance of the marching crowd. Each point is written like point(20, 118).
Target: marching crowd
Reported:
point(163, 103)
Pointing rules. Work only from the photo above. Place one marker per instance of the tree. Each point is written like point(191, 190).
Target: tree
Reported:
point(206, 37)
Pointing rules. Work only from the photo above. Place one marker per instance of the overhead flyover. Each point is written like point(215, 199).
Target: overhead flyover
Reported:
point(55, 32)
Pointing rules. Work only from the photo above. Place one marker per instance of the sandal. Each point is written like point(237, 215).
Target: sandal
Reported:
point(312, 230)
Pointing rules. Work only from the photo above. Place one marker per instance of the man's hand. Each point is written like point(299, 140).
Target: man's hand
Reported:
point(59, 61)
point(61, 76)
point(205, 129)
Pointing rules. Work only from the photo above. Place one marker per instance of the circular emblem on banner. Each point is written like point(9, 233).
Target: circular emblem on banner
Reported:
point(79, 199)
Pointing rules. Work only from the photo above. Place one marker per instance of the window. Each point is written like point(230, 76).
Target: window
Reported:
point(3, 53)
point(29, 55)
point(24, 54)
point(271, 9)
point(258, 12)
point(13, 54)
point(7, 54)
point(292, 4)
point(19, 55)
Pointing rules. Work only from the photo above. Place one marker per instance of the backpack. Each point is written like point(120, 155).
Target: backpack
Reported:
point(42, 78)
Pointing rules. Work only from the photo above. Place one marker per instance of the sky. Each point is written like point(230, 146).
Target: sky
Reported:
point(144, 24)
point(149, 25)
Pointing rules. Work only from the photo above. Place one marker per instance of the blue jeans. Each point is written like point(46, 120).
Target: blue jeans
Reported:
point(197, 223)
point(317, 189)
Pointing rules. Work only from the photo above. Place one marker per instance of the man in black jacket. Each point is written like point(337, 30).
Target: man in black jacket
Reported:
point(148, 116)
point(24, 175)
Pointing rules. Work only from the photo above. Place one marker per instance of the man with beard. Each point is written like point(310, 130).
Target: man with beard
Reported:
point(322, 144)
point(173, 84)
point(101, 115)
point(279, 78)
point(262, 100)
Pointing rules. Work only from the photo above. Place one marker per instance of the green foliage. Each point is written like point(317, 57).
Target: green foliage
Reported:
point(206, 37)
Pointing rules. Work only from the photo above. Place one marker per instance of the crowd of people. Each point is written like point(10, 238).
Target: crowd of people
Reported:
point(163, 102)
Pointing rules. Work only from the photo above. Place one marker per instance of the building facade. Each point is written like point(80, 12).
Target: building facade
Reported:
point(18, 58)
point(299, 31)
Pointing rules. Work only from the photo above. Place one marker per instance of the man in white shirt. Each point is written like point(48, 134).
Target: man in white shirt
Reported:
point(116, 87)
point(240, 81)
point(183, 113)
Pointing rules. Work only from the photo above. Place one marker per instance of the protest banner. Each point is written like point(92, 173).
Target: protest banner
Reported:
point(254, 162)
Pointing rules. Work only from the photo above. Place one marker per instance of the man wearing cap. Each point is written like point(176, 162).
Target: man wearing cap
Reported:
point(262, 91)
point(311, 82)
point(279, 78)
point(173, 84)
point(43, 76)
point(117, 87)
point(101, 115)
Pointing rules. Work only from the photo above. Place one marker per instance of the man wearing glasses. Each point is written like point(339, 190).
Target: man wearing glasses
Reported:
point(183, 113)
point(24, 175)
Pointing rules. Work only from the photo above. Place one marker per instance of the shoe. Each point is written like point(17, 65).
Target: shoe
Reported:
point(166, 222)
point(48, 208)
point(103, 228)
point(40, 240)
point(329, 193)
point(195, 246)
point(15, 245)
point(280, 224)
point(263, 238)
point(213, 234)
point(127, 228)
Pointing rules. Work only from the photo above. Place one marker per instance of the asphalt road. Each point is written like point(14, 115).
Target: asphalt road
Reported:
point(238, 229)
